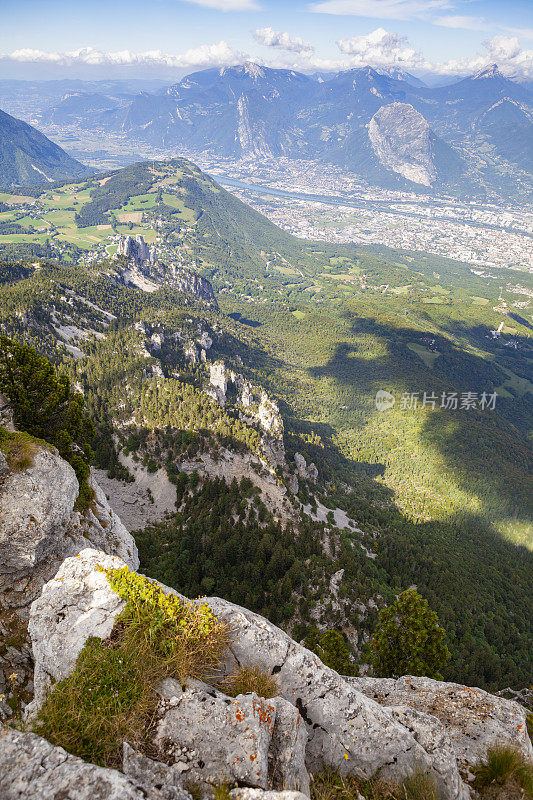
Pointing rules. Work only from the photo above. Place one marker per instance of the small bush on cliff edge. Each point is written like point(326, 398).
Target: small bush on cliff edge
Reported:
point(110, 696)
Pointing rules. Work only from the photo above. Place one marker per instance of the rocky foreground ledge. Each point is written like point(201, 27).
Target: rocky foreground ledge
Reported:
point(54, 598)
point(267, 748)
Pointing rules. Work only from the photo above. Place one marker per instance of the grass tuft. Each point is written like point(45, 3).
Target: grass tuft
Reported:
point(331, 786)
point(503, 766)
point(19, 449)
point(221, 792)
point(250, 678)
point(110, 696)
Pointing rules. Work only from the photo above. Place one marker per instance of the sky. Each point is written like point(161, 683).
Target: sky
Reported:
point(52, 39)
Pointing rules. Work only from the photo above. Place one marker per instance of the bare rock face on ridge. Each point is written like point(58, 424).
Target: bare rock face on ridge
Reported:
point(33, 769)
point(401, 140)
point(474, 719)
point(30, 767)
point(346, 730)
point(39, 527)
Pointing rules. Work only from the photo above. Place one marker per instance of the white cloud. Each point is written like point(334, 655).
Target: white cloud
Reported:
point(380, 48)
point(204, 56)
point(381, 9)
point(227, 5)
point(282, 41)
point(505, 51)
point(523, 33)
point(460, 21)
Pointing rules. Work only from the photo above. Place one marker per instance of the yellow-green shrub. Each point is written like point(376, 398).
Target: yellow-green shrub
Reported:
point(110, 696)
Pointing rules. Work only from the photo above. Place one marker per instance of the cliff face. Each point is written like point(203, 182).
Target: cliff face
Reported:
point(401, 140)
point(39, 528)
point(147, 273)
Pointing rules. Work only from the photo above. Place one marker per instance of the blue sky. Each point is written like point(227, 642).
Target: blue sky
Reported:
point(55, 38)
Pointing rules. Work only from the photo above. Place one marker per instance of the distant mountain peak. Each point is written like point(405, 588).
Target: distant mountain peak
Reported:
point(491, 71)
point(399, 74)
point(253, 70)
point(250, 68)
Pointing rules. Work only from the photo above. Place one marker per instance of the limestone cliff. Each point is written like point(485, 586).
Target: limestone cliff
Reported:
point(144, 270)
point(39, 528)
point(319, 720)
point(401, 140)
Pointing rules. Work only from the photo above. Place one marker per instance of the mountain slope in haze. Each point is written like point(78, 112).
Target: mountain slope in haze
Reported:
point(79, 105)
point(237, 111)
point(29, 158)
point(508, 127)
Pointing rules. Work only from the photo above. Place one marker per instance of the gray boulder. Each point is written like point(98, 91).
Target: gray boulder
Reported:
point(39, 528)
point(76, 604)
point(153, 775)
point(474, 719)
point(286, 757)
point(213, 738)
point(32, 768)
point(429, 732)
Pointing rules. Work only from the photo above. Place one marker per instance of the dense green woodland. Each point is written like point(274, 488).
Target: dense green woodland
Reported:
point(443, 497)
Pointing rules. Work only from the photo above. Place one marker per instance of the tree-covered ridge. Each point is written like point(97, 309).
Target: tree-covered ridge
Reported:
point(44, 406)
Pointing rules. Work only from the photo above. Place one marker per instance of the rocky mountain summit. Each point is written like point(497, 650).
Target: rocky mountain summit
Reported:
point(61, 561)
point(401, 139)
point(136, 249)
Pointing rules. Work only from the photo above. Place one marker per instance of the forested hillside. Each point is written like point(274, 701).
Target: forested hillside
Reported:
point(434, 496)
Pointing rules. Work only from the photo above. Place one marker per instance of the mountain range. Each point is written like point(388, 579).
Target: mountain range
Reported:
point(471, 137)
point(28, 157)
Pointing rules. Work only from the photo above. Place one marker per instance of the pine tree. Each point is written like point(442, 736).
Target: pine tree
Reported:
point(408, 639)
point(45, 407)
point(332, 648)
